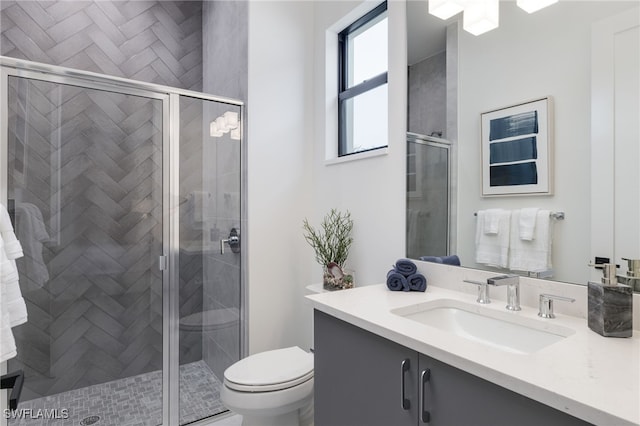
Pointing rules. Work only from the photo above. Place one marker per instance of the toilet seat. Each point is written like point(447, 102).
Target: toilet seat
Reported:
point(270, 371)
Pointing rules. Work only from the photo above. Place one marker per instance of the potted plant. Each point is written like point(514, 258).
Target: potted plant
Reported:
point(331, 244)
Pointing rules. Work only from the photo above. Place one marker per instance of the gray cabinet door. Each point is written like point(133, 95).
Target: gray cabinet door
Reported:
point(454, 397)
point(358, 377)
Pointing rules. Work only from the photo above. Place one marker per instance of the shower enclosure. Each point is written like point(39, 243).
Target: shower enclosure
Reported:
point(127, 199)
point(428, 196)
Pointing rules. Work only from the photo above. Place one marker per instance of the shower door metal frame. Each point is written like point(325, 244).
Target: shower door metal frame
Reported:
point(447, 146)
point(169, 262)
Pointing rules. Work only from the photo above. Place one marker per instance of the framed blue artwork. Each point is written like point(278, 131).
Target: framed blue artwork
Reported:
point(517, 149)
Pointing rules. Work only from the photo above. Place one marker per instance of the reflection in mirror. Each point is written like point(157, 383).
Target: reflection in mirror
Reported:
point(454, 77)
point(428, 168)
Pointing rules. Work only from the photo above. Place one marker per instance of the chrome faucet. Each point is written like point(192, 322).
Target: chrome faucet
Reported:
point(483, 291)
point(513, 289)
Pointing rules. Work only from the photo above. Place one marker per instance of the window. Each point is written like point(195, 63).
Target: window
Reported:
point(362, 97)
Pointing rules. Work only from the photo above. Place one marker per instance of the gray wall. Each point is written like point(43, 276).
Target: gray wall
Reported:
point(428, 96)
point(154, 41)
point(164, 42)
point(109, 335)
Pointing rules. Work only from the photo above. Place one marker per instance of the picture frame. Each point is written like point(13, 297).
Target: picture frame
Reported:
point(517, 149)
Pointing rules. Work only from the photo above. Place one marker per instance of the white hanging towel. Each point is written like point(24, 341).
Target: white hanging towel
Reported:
point(492, 221)
point(534, 254)
point(13, 304)
point(493, 249)
point(528, 223)
point(12, 246)
point(7, 342)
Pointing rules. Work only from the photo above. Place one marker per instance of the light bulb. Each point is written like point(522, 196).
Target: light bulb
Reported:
point(481, 16)
point(231, 119)
point(444, 9)
point(213, 130)
point(222, 124)
point(531, 6)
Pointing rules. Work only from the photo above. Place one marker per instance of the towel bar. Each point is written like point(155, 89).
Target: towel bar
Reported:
point(555, 215)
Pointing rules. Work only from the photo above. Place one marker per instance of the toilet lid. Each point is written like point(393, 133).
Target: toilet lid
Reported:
point(270, 370)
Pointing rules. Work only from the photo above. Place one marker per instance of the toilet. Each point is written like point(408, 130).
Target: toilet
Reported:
point(272, 388)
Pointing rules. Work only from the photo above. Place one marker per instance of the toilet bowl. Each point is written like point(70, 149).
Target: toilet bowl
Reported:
point(272, 388)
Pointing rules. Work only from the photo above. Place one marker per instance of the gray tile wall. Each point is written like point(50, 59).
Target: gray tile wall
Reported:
point(428, 96)
point(89, 164)
point(76, 321)
point(153, 41)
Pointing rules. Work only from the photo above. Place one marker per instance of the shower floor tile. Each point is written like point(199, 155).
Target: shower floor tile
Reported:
point(133, 401)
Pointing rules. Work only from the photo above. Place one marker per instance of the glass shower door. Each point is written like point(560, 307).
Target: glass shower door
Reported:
point(210, 253)
point(428, 196)
point(85, 189)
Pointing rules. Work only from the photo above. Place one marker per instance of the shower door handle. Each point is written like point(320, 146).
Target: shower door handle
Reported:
point(233, 241)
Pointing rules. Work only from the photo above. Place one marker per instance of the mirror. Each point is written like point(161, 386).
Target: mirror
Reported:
point(455, 76)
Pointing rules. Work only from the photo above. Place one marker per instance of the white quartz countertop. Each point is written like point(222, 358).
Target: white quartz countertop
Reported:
point(588, 376)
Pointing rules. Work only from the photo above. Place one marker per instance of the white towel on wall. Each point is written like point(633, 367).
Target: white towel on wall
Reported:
point(535, 254)
point(12, 247)
point(7, 342)
point(528, 223)
point(492, 221)
point(13, 305)
point(493, 249)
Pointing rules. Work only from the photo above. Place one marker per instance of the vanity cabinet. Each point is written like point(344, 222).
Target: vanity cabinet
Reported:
point(364, 379)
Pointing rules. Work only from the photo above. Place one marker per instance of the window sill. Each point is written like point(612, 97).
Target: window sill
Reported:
point(358, 156)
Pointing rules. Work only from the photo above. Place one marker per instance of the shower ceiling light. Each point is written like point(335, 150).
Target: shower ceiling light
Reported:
point(445, 9)
point(481, 16)
point(534, 5)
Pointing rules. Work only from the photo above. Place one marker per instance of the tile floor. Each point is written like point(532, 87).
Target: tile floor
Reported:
point(133, 401)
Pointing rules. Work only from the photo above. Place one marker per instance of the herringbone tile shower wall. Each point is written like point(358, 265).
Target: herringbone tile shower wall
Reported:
point(154, 41)
point(98, 317)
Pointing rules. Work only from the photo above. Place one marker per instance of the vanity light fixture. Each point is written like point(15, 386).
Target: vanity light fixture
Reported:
point(226, 123)
point(445, 9)
point(531, 6)
point(480, 16)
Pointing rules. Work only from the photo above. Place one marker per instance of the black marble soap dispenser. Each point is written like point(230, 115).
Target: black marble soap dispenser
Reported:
point(610, 305)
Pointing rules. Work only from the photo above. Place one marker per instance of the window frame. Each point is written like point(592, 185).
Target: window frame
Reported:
point(345, 93)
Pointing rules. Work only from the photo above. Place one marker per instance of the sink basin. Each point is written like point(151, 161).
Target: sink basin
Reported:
point(504, 330)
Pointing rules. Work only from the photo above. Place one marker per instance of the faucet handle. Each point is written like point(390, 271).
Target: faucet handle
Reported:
point(546, 304)
point(483, 291)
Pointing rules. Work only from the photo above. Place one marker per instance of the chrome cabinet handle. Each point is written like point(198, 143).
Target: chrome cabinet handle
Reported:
point(404, 402)
point(425, 377)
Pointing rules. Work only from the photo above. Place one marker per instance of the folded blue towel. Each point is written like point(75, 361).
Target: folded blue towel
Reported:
point(447, 260)
point(433, 259)
point(417, 282)
point(396, 281)
point(406, 267)
point(451, 260)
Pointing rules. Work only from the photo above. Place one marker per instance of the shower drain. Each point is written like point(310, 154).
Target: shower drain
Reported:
point(89, 420)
